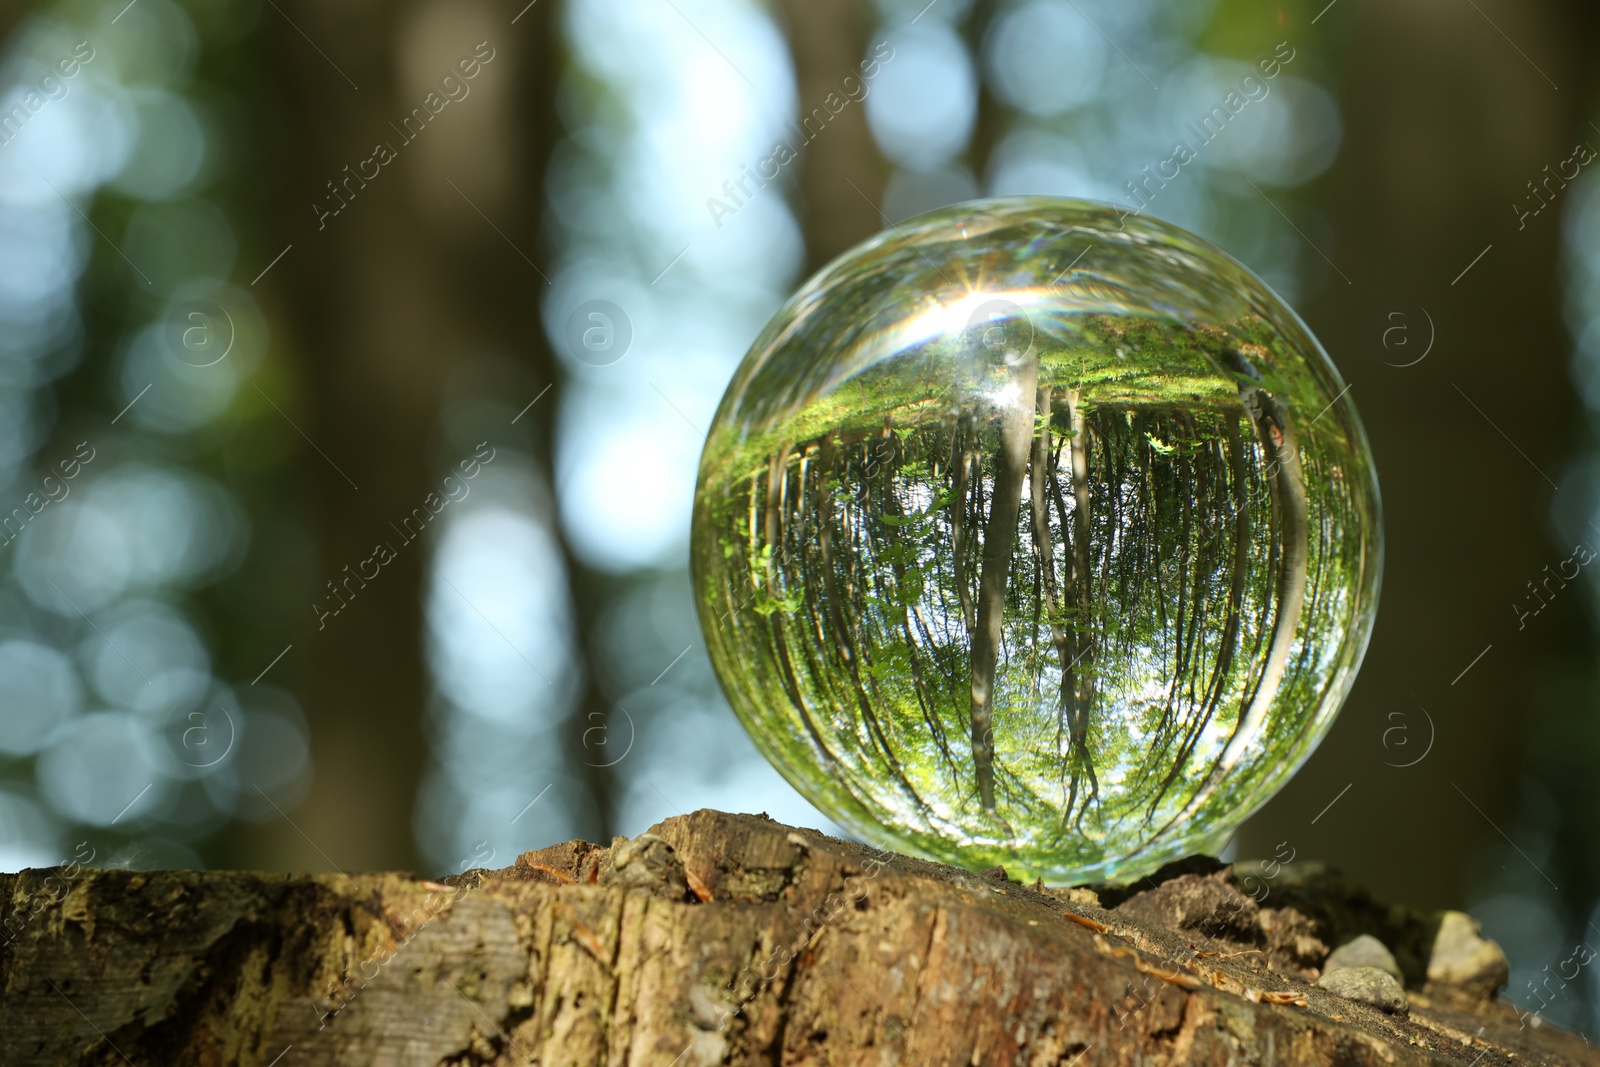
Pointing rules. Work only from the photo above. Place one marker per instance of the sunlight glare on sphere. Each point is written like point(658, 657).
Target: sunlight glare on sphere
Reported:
point(1036, 534)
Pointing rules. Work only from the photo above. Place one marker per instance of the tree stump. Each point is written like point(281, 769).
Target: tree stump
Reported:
point(715, 939)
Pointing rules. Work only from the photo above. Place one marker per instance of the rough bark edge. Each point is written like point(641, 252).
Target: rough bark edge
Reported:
point(717, 938)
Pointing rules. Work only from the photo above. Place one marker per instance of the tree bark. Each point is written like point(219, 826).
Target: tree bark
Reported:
point(999, 537)
point(425, 278)
point(1040, 475)
point(390, 284)
point(1280, 442)
point(714, 939)
point(841, 173)
point(1412, 203)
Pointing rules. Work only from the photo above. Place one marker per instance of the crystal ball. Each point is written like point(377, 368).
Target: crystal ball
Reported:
point(1033, 534)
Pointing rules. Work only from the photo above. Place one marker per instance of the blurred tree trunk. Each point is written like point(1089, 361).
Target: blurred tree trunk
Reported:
point(589, 591)
point(842, 174)
point(1444, 124)
point(385, 298)
point(11, 17)
point(994, 116)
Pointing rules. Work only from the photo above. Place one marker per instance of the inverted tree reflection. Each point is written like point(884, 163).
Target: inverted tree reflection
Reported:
point(1039, 591)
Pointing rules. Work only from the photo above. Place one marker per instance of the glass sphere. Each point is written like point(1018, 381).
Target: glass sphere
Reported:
point(1030, 533)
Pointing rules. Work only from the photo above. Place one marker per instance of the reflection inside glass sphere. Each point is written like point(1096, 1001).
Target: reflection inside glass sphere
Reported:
point(1034, 535)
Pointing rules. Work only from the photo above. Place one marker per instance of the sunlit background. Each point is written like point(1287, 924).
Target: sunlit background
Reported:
point(239, 351)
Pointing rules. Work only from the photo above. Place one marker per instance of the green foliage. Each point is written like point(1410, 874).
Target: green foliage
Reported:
point(1085, 561)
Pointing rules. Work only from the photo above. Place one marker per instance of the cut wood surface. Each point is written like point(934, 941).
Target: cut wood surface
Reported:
point(723, 938)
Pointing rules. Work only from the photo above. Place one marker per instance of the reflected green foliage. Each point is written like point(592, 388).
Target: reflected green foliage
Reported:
point(1067, 573)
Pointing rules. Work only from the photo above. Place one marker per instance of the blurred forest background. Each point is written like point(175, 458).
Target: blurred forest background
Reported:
point(240, 346)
